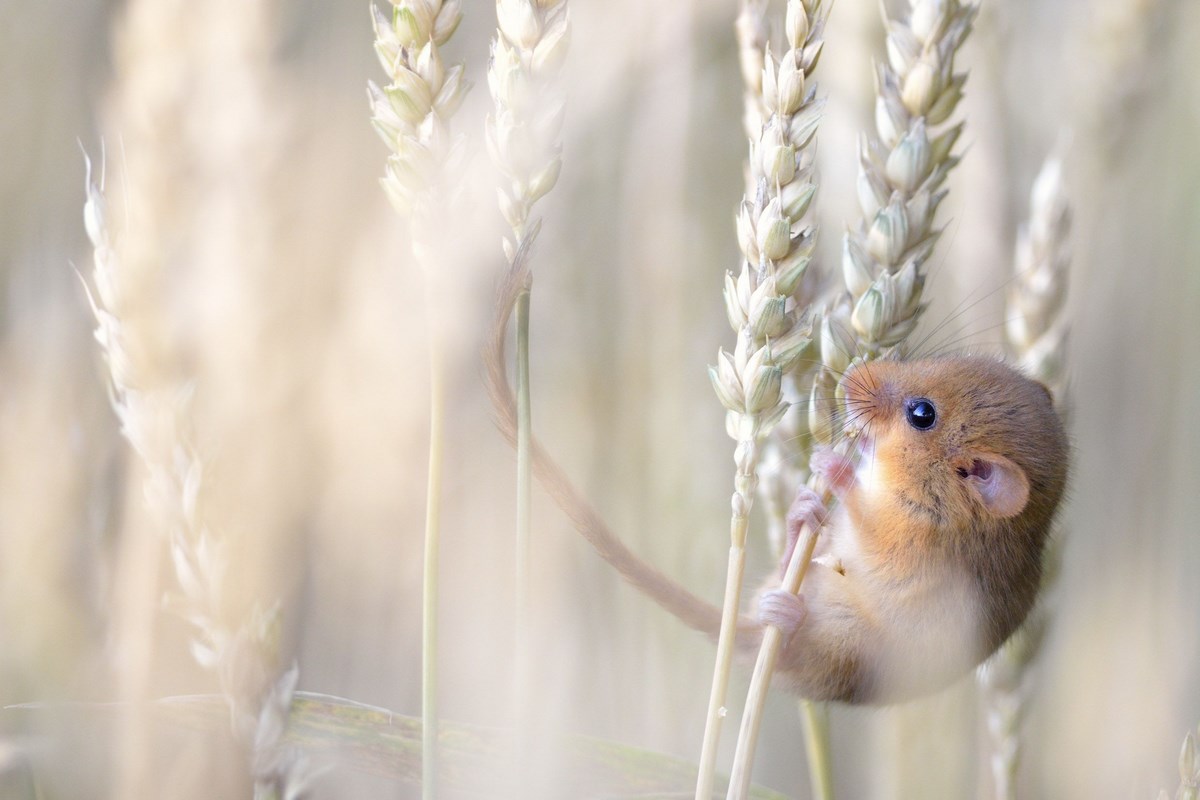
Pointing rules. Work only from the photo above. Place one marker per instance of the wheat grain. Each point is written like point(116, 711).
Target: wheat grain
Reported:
point(1035, 324)
point(1189, 770)
point(753, 32)
point(902, 169)
point(777, 243)
point(411, 114)
point(524, 130)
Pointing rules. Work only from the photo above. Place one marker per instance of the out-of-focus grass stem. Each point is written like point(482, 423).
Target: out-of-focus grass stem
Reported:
point(429, 600)
point(815, 717)
point(523, 673)
point(524, 135)
point(411, 114)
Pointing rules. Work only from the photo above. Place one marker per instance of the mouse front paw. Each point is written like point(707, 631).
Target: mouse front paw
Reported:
point(783, 610)
point(806, 509)
point(837, 469)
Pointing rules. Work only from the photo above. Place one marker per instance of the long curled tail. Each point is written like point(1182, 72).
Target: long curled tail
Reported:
point(690, 609)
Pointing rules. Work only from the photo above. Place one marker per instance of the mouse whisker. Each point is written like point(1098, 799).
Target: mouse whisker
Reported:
point(962, 308)
point(940, 349)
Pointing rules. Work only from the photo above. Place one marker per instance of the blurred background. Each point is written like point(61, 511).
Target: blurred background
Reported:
point(294, 310)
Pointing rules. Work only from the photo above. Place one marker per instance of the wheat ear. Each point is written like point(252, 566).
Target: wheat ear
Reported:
point(411, 115)
point(1036, 326)
point(775, 473)
point(901, 171)
point(753, 31)
point(153, 419)
point(771, 331)
point(1037, 334)
point(524, 132)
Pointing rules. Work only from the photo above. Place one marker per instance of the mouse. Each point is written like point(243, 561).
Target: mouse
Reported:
point(929, 560)
point(932, 556)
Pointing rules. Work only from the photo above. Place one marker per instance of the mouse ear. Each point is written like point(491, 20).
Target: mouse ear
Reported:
point(999, 484)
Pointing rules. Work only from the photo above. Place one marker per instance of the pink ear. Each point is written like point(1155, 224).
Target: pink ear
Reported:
point(1000, 484)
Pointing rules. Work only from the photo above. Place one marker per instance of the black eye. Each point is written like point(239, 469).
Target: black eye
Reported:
point(920, 413)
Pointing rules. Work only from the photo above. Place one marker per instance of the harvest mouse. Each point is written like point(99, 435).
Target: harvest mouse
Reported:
point(932, 557)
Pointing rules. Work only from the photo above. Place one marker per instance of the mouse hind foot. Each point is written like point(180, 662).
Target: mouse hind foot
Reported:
point(783, 610)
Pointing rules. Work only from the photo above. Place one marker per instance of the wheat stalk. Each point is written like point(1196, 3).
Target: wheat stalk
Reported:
point(901, 171)
point(411, 114)
point(1037, 333)
point(771, 330)
point(153, 420)
point(524, 136)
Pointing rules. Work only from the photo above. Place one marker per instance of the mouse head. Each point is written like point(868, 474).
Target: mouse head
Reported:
point(960, 438)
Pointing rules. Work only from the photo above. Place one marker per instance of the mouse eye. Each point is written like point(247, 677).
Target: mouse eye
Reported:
point(920, 413)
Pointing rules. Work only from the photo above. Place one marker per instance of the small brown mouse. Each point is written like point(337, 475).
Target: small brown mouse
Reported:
point(931, 558)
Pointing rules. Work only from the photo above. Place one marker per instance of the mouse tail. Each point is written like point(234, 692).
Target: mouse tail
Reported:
point(690, 609)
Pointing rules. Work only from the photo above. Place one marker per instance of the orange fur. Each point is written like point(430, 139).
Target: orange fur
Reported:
point(939, 537)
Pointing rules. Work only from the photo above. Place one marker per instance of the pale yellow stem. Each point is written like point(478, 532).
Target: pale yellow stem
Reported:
point(764, 668)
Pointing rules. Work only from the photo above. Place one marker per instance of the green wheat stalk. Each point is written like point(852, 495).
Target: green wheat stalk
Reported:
point(524, 135)
point(411, 115)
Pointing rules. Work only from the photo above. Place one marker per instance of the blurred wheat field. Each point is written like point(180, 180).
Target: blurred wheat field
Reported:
point(294, 311)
